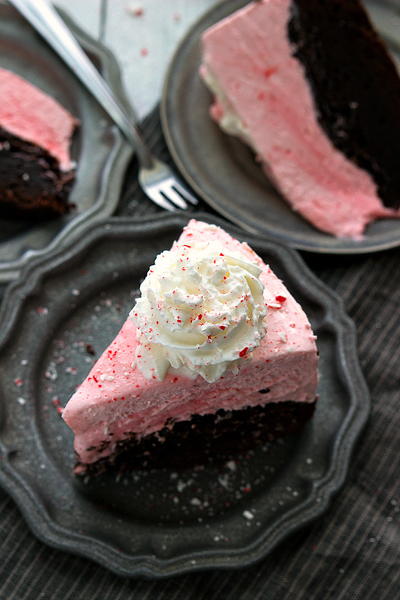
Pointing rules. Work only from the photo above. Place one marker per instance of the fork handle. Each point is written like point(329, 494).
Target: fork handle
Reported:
point(43, 17)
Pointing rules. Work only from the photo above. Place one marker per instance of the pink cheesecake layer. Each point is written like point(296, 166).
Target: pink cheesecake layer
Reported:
point(116, 400)
point(249, 57)
point(29, 113)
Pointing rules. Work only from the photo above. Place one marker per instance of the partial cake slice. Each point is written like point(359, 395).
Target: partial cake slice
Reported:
point(311, 88)
point(215, 354)
point(36, 172)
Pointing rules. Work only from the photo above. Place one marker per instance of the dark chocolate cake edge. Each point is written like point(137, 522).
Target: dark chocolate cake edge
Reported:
point(347, 67)
point(32, 186)
point(205, 438)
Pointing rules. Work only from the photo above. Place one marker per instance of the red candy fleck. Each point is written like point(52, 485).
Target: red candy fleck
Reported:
point(270, 71)
point(222, 327)
point(221, 254)
point(144, 52)
point(200, 317)
point(243, 352)
point(139, 356)
point(57, 405)
point(280, 298)
point(18, 382)
point(186, 246)
point(175, 379)
point(275, 306)
point(95, 379)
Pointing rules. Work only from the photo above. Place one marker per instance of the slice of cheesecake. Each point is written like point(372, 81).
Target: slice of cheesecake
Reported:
point(311, 88)
point(36, 172)
point(215, 355)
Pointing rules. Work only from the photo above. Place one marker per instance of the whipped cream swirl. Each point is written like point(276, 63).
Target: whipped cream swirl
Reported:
point(201, 312)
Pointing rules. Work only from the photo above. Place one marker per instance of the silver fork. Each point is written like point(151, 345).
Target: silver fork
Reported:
point(157, 179)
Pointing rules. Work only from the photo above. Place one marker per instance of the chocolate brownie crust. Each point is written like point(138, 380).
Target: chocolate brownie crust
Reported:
point(31, 184)
point(205, 438)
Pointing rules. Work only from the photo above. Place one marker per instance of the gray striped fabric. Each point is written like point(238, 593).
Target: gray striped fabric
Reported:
point(353, 552)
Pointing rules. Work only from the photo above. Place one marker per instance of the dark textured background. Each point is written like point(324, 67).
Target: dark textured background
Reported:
point(353, 552)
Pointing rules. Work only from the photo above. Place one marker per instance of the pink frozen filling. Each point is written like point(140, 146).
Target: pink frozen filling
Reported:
point(249, 57)
point(116, 400)
point(29, 113)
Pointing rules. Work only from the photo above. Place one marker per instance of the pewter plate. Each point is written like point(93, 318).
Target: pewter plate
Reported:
point(98, 148)
point(223, 170)
point(160, 522)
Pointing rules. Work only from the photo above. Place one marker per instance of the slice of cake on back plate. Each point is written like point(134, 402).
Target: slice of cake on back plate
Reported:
point(311, 88)
point(36, 172)
point(215, 355)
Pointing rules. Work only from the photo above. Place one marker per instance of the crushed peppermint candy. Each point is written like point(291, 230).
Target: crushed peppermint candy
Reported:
point(104, 377)
point(248, 515)
point(57, 404)
point(51, 372)
point(136, 10)
point(223, 480)
point(71, 370)
point(276, 305)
